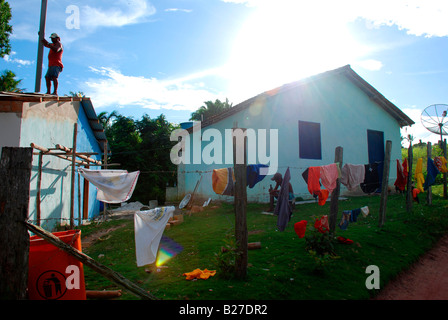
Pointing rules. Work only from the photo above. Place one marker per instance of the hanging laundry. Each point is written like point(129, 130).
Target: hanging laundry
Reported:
point(418, 175)
point(148, 228)
point(223, 181)
point(354, 215)
point(300, 228)
point(431, 174)
point(114, 186)
point(365, 211)
point(415, 193)
point(371, 179)
point(199, 274)
point(255, 173)
point(400, 182)
point(440, 163)
point(345, 220)
point(283, 209)
point(328, 176)
point(352, 175)
point(314, 185)
point(405, 168)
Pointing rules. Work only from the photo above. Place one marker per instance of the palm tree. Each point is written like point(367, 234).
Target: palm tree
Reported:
point(9, 83)
point(105, 118)
point(210, 109)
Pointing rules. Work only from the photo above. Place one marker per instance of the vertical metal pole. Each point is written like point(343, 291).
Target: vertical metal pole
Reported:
point(40, 46)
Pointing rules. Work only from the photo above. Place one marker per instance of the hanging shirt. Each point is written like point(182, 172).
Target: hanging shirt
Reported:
point(371, 179)
point(283, 208)
point(400, 182)
point(223, 181)
point(255, 174)
point(114, 186)
point(329, 175)
point(431, 174)
point(440, 163)
point(418, 175)
point(352, 175)
point(148, 228)
point(314, 185)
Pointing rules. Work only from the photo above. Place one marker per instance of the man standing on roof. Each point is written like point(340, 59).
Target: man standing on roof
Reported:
point(55, 65)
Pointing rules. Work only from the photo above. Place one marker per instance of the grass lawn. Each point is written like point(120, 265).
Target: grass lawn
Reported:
point(282, 269)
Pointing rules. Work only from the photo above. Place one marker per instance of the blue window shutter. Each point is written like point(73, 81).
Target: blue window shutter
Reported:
point(309, 140)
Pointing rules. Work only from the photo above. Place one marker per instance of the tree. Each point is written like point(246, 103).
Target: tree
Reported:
point(8, 82)
point(142, 145)
point(210, 109)
point(5, 28)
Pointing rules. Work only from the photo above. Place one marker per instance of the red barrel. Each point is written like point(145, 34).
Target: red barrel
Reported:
point(53, 274)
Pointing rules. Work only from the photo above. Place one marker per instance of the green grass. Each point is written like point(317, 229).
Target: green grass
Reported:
point(282, 268)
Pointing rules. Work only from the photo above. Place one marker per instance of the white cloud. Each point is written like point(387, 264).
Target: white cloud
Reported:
point(370, 64)
point(116, 89)
point(178, 9)
point(20, 62)
point(121, 14)
point(117, 13)
point(420, 18)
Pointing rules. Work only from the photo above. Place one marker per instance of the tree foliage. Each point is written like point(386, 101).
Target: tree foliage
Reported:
point(5, 28)
point(9, 83)
point(142, 145)
point(210, 109)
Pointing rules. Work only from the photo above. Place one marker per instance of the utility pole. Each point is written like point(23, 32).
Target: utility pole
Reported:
point(40, 46)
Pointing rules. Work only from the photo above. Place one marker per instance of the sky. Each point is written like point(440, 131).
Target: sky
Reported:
point(169, 56)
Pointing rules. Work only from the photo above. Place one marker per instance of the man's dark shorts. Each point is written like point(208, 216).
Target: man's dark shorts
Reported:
point(53, 72)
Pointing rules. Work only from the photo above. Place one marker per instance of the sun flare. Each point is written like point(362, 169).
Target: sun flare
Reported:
point(286, 41)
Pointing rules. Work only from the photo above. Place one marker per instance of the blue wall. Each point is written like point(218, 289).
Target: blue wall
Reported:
point(344, 113)
point(47, 124)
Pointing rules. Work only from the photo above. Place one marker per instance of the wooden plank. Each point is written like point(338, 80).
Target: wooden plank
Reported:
point(72, 187)
point(409, 197)
point(429, 191)
point(240, 198)
point(39, 183)
point(15, 173)
point(385, 184)
point(334, 204)
point(94, 265)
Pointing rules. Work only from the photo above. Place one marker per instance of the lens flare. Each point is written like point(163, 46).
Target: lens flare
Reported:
point(167, 250)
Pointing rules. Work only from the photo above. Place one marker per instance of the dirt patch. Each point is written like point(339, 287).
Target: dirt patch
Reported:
point(101, 234)
point(427, 279)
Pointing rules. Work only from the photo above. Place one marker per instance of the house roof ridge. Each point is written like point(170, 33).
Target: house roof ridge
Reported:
point(367, 88)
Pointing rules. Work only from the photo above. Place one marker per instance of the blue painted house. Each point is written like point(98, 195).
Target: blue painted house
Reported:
point(304, 122)
point(48, 121)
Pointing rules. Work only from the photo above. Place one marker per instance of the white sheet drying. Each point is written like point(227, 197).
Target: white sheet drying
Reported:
point(114, 186)
point(148, 228)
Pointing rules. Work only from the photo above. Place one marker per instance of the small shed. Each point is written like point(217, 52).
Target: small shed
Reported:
point(311, 117)
point(55, 127)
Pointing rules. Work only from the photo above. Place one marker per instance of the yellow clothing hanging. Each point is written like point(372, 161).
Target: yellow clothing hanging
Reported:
point(418, 175)
point(440, 163)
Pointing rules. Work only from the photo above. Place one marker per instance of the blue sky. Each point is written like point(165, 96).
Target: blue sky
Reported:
point(169, 56)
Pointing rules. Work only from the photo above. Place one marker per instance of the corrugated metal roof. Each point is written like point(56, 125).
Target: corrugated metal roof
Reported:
point(86, 104)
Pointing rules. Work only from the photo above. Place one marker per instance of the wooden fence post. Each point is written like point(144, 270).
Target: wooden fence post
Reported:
point(429, 191)
point(72, 189)
point(338, 157)
point(445, 193)
point(409, 197)
point(385, 184)
point(240, 198)
point(15, 173)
